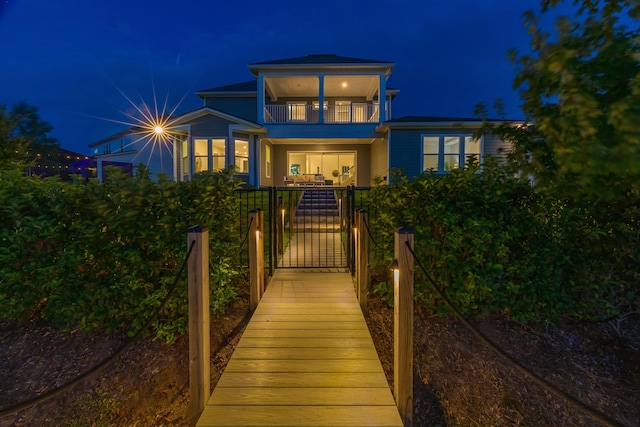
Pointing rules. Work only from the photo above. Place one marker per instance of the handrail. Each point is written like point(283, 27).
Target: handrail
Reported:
point(521, 368)
point(46, 396)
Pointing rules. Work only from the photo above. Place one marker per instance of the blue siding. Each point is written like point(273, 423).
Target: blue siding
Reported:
point(404, 150)
point(243, 107)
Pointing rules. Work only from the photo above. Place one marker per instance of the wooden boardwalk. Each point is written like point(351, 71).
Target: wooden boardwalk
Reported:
point(305, 359)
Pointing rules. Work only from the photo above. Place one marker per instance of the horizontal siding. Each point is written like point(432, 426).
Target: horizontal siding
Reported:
point(264, 180)
point(405, 147)
point(246, 108)
point(496, 147)
point(404, 150)
point(379, 159)
point(209, 126)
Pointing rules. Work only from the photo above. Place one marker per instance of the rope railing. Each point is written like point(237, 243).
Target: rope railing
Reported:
point(244, 241)
point(366, 225)
point(91, 372)
point(596, 415)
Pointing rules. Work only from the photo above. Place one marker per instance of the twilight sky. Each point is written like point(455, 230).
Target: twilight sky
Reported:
point(71, 58)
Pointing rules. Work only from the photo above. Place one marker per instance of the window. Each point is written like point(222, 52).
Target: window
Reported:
point(444, 153)
point(471, 149)
point(316, 105)
point(343, 111)
point(451, 152)
point(242, 155)
point(296, 111)
point(431, 153)
point(185, 160)
point(209, 154)
point(267, 157)
point(218, 149)
point(201, 154)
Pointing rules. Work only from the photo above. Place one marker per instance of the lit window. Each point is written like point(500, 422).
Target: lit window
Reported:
point(296, 111)
point(242, 155)
point(219, 153)
point(201, 154)
point(267, 157)
point(444, 153)
point(343, 111)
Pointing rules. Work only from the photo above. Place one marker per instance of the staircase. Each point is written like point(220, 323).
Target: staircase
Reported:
point(317, 211)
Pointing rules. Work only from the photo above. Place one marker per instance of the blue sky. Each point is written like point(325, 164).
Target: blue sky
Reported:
point(72, 58)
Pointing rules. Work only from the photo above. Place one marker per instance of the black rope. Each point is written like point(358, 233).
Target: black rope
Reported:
point(366, 225)
point(521, 368)
point(246, 237)
point(107, 361)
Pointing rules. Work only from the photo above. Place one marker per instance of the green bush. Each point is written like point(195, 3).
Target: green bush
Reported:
point(493, 244)
point(92, 255)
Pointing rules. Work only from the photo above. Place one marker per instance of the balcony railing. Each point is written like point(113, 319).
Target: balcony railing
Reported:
point(309, 113)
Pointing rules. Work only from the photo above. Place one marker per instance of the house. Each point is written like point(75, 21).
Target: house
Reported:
point(57, 161)
point(317, 119)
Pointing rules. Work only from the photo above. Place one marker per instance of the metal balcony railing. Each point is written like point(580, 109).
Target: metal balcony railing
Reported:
point(347, 113)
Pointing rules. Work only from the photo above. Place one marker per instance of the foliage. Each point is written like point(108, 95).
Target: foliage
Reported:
point(493, 244)
point(93, 255)
point(580, 88)
point(23, 135)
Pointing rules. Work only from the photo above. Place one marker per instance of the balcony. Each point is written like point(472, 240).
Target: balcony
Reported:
point(338, 113)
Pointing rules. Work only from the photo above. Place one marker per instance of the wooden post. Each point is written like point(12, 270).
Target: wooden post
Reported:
point(403, 325)
point(362, 258)
point(256, 258)
point(199, 327)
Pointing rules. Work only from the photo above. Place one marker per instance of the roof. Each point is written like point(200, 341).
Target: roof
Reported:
point(432, 119)
point(244, 87)
point(416, 122)
point(320, 59)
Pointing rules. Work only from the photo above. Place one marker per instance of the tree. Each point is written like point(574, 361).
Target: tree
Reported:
point(23, 135)
point(580, 88)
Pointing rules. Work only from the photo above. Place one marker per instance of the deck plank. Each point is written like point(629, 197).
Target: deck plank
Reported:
point(305, 359)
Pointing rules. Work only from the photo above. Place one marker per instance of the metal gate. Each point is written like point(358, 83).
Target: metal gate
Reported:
point(305, 227)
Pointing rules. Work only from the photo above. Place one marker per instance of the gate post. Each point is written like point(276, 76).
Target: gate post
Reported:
point(362, 257)
point(199, 326)
point(256, 257)
point(403, 324)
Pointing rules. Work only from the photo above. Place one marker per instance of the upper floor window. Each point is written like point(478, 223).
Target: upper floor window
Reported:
point(443, 153)
point(297, 111)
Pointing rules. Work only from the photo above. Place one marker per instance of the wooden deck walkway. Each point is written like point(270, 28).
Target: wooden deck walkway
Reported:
point(305, 359)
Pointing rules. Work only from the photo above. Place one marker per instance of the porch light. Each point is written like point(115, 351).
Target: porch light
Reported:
point(396, 273)
point(344, 84)
point(158, 129)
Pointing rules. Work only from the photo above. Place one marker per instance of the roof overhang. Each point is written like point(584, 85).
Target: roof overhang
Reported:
point(461, 124)
point(243, 124)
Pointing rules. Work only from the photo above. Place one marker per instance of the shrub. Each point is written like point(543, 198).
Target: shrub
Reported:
point(493, 244)
point(93, 255)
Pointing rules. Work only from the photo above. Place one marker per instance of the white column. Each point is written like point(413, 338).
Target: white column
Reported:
point(382, 97)
point(321, 98)
point(261, 95)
